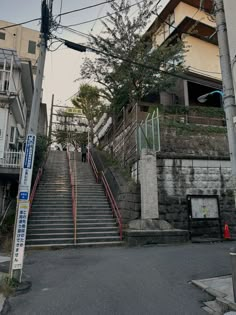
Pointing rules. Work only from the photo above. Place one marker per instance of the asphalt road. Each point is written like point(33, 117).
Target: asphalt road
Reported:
point(120, 281)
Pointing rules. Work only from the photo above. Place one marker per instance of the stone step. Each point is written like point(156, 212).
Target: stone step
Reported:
point(52, 202)
point(90, 220)
point(84, 208)
point(91, 225)
point(50, 221)
point(45, 230)
point(51, 225)
point(48, 206)
point(97, 239)
point(33, 236)
point(51, 216)
point(47, 241)
point(81, 245)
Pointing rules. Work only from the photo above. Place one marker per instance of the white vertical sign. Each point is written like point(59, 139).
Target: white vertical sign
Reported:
point(23, 205)
point(20, 236)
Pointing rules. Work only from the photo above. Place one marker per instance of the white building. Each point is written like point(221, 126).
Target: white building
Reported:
point(16, 93)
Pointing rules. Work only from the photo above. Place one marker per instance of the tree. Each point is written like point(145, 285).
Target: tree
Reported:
point(123, 81)
point(88, 100)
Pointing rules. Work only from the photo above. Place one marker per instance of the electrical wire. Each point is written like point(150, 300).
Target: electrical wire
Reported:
point(21, 23)
point(130, 61)
point(85, 8)
point(60, 12)
point(104, 16)
point(59, 15)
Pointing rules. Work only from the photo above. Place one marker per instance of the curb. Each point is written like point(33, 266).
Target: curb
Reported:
point(220, 297)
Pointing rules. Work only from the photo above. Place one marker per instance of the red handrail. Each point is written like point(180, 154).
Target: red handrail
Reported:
point(72, 195)
point(36, 182)
point(91, 162)
point(114, 207)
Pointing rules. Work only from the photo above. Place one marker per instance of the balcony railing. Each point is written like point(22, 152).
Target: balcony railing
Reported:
point(11, 159)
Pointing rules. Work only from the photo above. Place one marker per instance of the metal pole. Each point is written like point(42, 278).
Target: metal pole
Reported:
point(50, 124)
point(228, 89)
point(233, 263)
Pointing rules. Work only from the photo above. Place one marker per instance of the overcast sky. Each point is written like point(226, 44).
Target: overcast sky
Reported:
point(62, 67)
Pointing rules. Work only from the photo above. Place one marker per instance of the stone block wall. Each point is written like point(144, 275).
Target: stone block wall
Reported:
point(178, 178)
point(125, 191)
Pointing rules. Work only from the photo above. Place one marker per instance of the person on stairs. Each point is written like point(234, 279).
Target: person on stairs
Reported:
point(83, 151)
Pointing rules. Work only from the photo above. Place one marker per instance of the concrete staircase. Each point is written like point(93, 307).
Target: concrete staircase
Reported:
point(51, 222)
point(95, 223)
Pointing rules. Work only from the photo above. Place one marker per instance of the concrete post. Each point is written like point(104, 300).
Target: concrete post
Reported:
point(148, 183)
point(233, 263)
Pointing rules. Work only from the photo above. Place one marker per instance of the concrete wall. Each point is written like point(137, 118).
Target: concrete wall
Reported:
point(203, 56)
point(17, 38)
point(179, 177)
point(183, 9)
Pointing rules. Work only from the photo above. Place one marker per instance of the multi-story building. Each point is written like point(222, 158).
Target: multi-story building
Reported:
point(16, 93)
point(22, 39)
point(192, 22)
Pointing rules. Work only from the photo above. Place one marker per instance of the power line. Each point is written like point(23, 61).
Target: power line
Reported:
point(59, 15)
point(83, 48)
point(21, 23)
point(60, 11)
point(104, 16)
point(85, 8)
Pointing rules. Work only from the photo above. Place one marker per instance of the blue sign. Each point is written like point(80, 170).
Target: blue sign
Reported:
point(23, 195)
point(29, 150)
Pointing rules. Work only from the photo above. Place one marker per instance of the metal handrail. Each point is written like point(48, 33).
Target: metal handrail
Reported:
point(92, 163)
point(72, 195)
point(36, 182)
point(109, 194)
point(115, 209)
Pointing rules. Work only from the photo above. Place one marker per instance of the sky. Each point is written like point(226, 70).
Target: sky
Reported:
point(62, 67)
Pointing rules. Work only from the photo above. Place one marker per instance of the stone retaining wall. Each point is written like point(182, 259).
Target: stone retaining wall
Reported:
point(178, 178)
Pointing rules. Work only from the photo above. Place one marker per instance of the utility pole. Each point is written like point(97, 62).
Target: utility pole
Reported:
point(228, 88)
point(22, 209)
point(230, 9)
point(50, 123)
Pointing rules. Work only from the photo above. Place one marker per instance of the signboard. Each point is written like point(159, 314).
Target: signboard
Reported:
point(24, 195)
point(204, 207)
point(29, 151)
point(73, 110)
point(28, 161)
point(20, 235)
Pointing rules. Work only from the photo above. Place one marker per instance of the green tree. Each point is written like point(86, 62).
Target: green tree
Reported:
point(125, 82)
point(88, 100)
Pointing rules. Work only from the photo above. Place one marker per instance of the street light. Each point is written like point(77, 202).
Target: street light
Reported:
point(203, 98)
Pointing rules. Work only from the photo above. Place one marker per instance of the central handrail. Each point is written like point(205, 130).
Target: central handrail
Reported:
point(72, 182)
point(109, 194)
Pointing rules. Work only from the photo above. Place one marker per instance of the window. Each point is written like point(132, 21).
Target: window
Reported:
point(32, 47)
point(12, 135)
point(2, 35)
point(171, 21)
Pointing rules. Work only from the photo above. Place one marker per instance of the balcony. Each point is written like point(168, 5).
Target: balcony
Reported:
point(11, 159)
point(11, 85)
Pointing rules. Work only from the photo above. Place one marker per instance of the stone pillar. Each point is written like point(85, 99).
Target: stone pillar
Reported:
point(148, 183)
